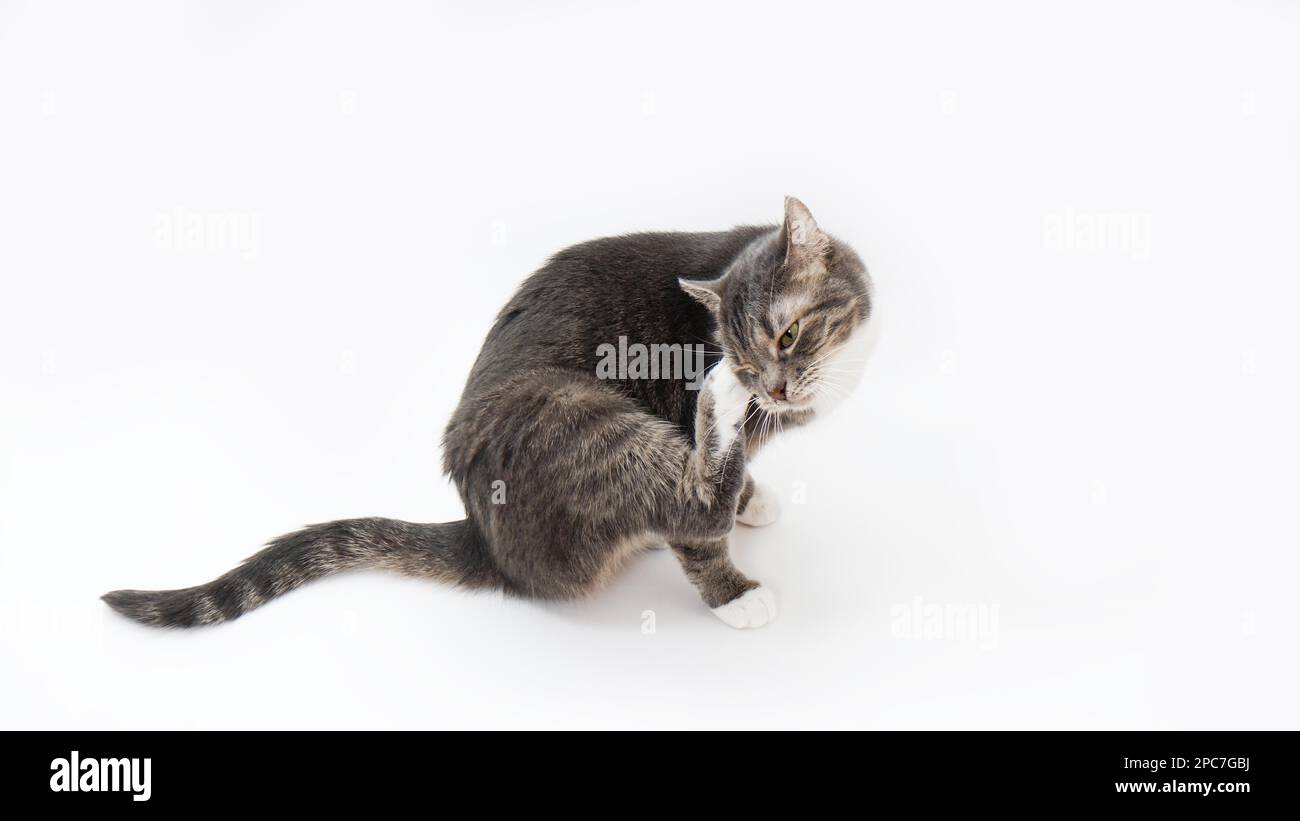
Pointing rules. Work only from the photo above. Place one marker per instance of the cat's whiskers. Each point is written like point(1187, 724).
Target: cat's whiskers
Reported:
point(766, 430)
point(832, 389)
point(716, 415)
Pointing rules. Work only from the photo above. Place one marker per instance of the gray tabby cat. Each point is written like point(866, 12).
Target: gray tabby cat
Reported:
point(565, 475)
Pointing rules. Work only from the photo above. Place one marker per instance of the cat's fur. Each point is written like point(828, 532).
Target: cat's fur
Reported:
point(564, 476)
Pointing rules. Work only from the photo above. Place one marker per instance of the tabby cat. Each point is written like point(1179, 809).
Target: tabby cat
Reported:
point(566, 473)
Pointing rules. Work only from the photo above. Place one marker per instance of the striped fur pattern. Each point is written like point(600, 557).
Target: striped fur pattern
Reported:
point(434, 551)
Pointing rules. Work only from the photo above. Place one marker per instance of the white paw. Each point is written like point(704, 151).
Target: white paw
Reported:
point(730, 401)
point(762, 508)
point(753, 608)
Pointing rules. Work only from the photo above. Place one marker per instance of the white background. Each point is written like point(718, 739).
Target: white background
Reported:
point(1092, 444)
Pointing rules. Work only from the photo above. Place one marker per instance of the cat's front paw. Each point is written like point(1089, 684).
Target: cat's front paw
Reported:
point(761, 509)
point(730, 399)
point(753, 608)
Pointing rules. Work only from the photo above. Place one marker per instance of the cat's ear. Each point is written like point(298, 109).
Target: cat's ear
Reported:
point(800, 233)
point(708, 292)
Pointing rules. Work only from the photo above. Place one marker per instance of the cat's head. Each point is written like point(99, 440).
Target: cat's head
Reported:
point(791, 311)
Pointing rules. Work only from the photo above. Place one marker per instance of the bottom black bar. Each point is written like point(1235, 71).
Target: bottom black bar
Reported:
point(144, 771)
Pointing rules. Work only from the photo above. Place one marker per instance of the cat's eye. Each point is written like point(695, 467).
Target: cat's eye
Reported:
point(790, 335)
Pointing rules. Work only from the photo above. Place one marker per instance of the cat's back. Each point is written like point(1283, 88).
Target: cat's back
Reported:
point(592, 293)
point(586, 296)
point(618, 268)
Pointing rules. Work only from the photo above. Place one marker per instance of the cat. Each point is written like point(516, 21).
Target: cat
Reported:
point(565, 475)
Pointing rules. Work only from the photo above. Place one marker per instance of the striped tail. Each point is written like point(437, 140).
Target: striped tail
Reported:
point(451, 552)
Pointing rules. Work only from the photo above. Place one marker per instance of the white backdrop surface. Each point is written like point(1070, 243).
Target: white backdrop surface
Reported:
point(1064, 495)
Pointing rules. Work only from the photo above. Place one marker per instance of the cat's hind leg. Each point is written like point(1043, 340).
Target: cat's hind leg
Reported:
point(567, 478)
point(587, 478)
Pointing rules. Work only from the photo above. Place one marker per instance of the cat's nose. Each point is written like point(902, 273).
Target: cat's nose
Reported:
point(778, 392)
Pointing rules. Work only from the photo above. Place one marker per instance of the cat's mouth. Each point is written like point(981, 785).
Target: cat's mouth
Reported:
point(787, 405)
